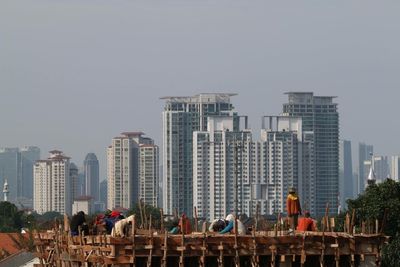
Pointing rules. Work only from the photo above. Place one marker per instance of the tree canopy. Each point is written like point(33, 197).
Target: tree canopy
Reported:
point(11, 219)
point(371, 205)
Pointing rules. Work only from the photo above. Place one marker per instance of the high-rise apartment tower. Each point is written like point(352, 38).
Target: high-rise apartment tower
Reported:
point(181, 117)
point(319, 115)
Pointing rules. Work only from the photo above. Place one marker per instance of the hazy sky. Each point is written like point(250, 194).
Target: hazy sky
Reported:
point(75, 73)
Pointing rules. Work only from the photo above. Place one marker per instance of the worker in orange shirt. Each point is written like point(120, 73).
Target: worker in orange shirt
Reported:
point(306, 223)
point(293, 208)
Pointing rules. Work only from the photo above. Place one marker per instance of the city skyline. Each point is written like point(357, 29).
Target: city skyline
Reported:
point(198, 108)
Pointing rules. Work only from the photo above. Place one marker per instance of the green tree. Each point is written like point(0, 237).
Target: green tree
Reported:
point(371, 205)
point(146, 211)
point(10, 218)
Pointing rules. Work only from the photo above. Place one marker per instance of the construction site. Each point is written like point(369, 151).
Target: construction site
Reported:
point(144, 245)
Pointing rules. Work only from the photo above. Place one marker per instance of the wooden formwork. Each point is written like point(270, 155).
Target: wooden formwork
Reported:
point(151, 248)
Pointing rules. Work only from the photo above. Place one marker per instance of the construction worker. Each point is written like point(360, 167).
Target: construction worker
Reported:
point(293, 208)
point(184, 224)
point(230, 227)
point(306, 223)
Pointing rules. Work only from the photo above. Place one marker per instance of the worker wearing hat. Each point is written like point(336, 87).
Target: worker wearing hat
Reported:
point(293, 208)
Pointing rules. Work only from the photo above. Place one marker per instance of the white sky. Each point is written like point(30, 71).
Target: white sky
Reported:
point(74, 74)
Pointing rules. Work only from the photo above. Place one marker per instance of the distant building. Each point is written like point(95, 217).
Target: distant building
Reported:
point(91, 171)
point(81, 182)
point(222, 169)
point(74, 181)
point(381, 168)
point(10, 159)
point(29, 155)
point(181, 117)
point(84, 204)
point(345, 173)
point(103, 192)
point(364, 154)
point(52, 190)
point(123, 163)
point(16, 165)
point(287, 160)
point(319, 115)
point(149, 174)
point(395, 168)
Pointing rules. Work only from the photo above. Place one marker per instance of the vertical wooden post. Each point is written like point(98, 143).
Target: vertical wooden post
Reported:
point(321, 260)
point(303, 252)
point(141, 214)
point(150, 246)
point(181, 257)
point(273, 254)
point(165, 247)
point(353, 217)
point(133, 242)
point(236, 247)
point(221, 255)
point(145, 226)
point(202, 262)
point(337, 252)
point(255, 260)
point(195, 219)
point(257, 216)
point(162, 220)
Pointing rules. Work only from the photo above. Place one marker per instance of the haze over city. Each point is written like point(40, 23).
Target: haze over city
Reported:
point(75, 74)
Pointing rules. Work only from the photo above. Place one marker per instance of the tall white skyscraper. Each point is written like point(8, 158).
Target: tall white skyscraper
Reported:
point(222, 169)
point(123, 169)
point(181, 117)
point(52, 184)
point(395, 168)
point(149, 174)
point(287, 161)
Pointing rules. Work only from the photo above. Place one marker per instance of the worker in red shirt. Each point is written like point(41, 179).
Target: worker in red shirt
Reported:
point(184, 224)
point(306, 223)
point(293, 208)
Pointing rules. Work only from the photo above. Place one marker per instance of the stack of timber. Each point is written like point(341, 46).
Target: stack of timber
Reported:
point(261, 248)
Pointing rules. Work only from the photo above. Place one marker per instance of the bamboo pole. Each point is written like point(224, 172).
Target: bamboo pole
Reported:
point(195, 219)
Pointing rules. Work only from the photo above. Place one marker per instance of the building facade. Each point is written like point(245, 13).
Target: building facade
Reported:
point(149, 174)
point(16, 166)
point(222, 169)
point(345, 173)
point(395, 168)
point(123, 169)
point(287, 161)
point(91, 173)
point(52, 184)
point(103, 192)
point(319, 115)
point(181, 117)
